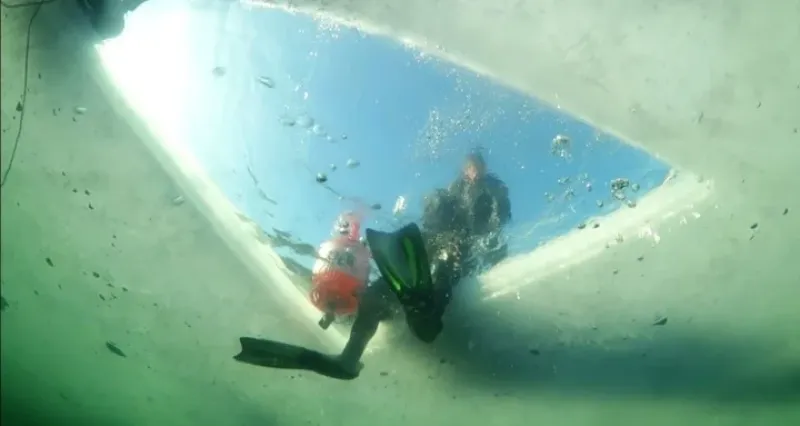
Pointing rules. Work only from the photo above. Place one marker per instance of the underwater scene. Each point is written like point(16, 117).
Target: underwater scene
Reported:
point(354, 212)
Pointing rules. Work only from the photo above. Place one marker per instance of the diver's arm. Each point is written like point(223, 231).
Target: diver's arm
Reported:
point(503, 206)
point(501, 202)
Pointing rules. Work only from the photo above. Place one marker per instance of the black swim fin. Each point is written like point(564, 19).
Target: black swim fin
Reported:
point(403, 262)
point(269, 353)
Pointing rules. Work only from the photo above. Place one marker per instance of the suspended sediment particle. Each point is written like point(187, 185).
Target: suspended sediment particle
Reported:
point(660, 321)
point(114, 349)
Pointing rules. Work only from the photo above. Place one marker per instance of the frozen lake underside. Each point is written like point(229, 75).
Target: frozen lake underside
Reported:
point(730, 353)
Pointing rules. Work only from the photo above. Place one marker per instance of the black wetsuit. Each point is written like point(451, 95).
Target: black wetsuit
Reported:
point(453, 218)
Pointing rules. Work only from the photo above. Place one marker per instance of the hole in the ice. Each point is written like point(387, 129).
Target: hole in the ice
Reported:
point(258, 110)
point(256, 99)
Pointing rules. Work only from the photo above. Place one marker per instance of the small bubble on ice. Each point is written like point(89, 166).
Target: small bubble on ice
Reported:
point(266, 81)
point(218, 71)
point(305, 121)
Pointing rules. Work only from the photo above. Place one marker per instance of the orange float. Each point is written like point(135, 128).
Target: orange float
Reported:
point(341, 271)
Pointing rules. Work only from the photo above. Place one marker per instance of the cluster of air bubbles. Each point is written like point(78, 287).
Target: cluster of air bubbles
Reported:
point(619, 190)
point(350, 164)
point(308, 123)
point(220, 71)
point(560, 146)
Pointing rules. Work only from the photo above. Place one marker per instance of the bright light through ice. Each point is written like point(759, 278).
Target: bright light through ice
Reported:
point(149, 65)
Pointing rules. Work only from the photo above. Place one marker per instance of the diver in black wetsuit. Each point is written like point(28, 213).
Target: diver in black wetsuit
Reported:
point(471, 212)
point(475, 207)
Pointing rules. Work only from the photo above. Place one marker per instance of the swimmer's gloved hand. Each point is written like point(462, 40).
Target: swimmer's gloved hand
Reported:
point(269, 353)
point(402, 260)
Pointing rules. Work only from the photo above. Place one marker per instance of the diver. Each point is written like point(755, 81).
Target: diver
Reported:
point(418, 267)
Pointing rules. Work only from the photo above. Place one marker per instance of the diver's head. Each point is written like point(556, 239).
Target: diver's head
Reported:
point(474, 167)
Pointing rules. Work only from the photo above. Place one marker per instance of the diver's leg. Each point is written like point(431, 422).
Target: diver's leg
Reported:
point(374, 306)
point(426, 325)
